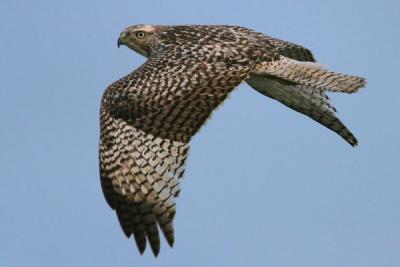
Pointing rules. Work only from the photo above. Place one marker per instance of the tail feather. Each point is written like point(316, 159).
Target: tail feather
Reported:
point(312, 74)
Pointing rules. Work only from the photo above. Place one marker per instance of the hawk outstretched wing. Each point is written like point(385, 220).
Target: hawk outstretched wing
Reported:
point(147, 120)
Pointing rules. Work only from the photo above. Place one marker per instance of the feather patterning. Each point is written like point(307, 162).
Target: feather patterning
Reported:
point(148, 117)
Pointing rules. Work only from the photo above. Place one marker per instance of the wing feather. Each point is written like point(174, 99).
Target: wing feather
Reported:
point(307, 100)
point(284, 48)
point(147, 119)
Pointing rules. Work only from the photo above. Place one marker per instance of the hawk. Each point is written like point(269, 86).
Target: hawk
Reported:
point(148, 117)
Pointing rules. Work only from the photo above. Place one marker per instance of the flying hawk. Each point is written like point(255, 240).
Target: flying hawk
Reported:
point(148, 117)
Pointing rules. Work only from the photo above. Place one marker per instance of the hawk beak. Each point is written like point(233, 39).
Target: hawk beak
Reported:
point(119, 43)
point(122, 38)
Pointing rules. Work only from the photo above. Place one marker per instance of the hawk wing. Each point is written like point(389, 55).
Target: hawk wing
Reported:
point(307, 100)
point(299, 83)
point(282, 47)
point(147, 119)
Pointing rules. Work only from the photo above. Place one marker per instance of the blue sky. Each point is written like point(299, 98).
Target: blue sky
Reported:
point(264, 185)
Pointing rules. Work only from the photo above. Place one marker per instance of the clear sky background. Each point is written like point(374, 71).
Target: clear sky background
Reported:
point(264, 186)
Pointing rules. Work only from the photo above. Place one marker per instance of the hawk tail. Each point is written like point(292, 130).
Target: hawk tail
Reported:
point(312, 74)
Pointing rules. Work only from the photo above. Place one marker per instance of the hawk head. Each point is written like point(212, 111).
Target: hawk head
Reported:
point(139, 38)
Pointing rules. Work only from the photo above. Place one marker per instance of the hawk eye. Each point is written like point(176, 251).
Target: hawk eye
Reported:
point(140, 34)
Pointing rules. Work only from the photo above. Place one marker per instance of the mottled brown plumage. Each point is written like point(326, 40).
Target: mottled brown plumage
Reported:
point(148, 117)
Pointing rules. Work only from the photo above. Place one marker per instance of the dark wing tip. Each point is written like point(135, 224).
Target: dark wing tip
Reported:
point(167, 229)
point(349, 137)
point(123, 216)
point(140, 240)
point(141, 249)
point(155, 247)
point(169, 236)
point(353, 142)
